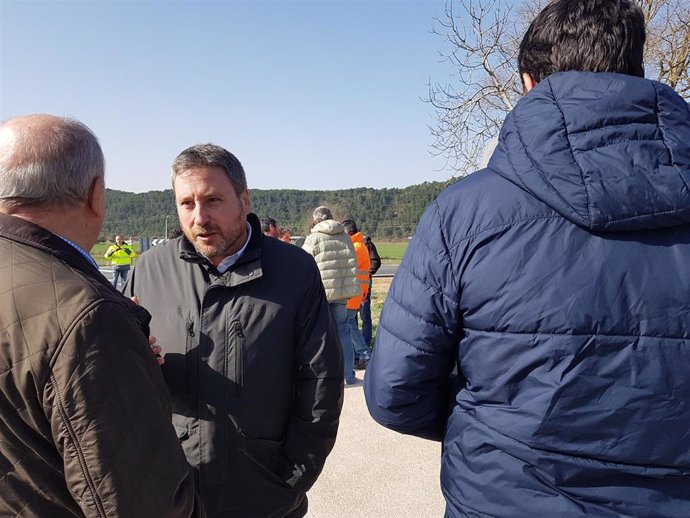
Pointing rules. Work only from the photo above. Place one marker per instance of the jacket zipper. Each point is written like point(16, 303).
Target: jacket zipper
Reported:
point(239, 355)
point(234, 356)
point(188, 367)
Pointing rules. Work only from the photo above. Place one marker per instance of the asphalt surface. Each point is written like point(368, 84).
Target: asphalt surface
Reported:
point(387, 270)
point(373, 472)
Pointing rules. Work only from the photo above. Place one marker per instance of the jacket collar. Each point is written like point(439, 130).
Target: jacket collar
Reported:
point(328, 226)
point(247, 267)
point(23, 231)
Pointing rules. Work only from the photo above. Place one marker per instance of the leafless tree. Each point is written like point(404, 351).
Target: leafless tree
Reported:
point(482, 39)
point(668, 42)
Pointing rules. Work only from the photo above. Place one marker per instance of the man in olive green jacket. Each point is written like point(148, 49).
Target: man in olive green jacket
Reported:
point(84, 415)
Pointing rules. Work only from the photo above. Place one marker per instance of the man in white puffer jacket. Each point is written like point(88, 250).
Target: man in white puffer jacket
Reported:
point(335, 256)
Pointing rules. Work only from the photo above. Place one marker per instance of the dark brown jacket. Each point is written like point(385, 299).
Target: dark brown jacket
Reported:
point(84, 414)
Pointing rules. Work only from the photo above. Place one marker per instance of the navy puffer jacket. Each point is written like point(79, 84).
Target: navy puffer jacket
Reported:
point(556, 285)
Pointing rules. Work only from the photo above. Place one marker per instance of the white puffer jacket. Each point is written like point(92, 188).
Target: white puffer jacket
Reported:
point(335, 256)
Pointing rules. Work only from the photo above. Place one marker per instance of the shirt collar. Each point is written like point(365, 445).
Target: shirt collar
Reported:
point(226, 263)
point(81, 251)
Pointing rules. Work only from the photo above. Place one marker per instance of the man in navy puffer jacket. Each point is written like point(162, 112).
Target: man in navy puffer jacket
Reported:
point(540, 321)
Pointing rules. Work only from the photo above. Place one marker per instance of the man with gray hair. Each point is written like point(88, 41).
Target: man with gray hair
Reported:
point(84, 414)
point(252, 362)
point(335, 256)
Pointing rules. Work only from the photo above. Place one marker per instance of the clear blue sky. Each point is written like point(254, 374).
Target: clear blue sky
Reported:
point(307, 94)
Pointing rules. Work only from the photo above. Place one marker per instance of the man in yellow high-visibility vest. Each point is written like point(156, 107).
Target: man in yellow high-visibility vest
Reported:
point(120, 255)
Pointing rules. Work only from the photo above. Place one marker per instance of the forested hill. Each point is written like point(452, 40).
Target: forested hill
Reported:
point(383, 213)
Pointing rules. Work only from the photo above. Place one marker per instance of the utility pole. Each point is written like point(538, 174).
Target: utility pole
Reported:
point(166, 227)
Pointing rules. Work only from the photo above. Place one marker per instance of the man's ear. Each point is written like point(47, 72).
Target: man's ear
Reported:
point(528, 82)
point(246, 202)
point(96, 199)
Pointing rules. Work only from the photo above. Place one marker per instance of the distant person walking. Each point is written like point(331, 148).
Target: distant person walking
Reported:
point(335, 256)
point(365, 308)
point(120, 255)
point(361, 349)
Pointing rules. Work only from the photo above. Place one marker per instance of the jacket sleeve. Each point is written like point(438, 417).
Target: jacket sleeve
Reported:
point(373, 257)
point(363, 267)
point(308, 245)
point(409, 382)
point(109, 252)
point(319, 389)
point(110, 418)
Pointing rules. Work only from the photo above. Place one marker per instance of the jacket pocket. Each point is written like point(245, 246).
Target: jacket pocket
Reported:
point(234, 359)
point(267, 458)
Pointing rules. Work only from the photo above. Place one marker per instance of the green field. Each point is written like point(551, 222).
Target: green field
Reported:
point(391, 253)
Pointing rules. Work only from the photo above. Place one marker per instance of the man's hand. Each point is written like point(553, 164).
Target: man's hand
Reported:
point(156, 350)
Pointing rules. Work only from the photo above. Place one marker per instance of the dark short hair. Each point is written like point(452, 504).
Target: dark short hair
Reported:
point(211, 155)
point(584, 35)
point(267, 223)
point(350, 226)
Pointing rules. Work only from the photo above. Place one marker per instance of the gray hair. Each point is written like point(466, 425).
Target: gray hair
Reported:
point(211, 155)
point(53, 166)
point(322, 214)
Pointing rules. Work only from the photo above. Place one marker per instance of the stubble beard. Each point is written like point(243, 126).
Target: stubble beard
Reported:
point(227, 242)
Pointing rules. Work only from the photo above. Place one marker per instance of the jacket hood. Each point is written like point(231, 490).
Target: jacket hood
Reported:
point(329, 226)
point(609, 152)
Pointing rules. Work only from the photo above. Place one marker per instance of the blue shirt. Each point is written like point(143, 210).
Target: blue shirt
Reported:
point(81, 251)
point(232, 259)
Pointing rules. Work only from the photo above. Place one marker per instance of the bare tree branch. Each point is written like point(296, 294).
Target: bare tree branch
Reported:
point(483, 38)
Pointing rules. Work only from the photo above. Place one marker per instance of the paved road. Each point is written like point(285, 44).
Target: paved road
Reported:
point(387, 270)
point(376, 473)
